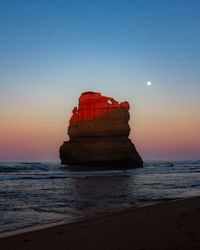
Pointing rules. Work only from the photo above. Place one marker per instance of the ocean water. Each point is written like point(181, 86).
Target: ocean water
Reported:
point(36, 193)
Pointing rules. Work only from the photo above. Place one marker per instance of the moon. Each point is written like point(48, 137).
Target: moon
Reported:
point(148, 83)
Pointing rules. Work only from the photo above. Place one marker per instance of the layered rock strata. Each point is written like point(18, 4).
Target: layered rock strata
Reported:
point(98, 132)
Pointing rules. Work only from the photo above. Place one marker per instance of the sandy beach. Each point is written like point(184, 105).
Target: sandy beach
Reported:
point(171, 225)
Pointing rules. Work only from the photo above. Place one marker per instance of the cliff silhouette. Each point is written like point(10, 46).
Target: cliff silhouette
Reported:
point(98, 132)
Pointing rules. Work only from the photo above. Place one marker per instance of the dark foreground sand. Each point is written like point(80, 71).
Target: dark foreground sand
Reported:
point(171, 225)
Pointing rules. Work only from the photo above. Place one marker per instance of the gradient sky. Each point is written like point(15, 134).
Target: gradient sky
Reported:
point(52, 51)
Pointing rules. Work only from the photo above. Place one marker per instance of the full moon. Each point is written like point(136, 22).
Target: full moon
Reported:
point(148, 83)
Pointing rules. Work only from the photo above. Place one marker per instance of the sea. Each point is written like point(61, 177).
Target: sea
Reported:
point(38, 193)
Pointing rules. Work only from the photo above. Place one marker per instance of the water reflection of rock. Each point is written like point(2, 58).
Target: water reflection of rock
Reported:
point(94, 195)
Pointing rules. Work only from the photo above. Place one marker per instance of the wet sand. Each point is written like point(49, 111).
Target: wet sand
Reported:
point(172, 226)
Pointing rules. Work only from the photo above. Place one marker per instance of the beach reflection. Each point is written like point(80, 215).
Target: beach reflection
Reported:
point(95, 195)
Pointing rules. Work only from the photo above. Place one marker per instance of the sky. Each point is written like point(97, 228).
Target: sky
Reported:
point(52, 51)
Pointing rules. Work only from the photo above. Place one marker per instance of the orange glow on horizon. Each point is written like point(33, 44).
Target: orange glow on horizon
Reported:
point(32, 132)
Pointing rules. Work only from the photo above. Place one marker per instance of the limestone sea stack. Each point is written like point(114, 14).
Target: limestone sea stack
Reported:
point(98, 134)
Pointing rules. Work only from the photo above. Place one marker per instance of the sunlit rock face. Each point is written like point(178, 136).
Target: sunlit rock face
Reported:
point(98, 132)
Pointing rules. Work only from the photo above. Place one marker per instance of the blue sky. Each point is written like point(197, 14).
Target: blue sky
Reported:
point(51, 51)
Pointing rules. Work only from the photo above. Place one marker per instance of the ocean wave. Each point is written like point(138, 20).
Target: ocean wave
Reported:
point(18, 169)
point(58, 176)
point(26, 166)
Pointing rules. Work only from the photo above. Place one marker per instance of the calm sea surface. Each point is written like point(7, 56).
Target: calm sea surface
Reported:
point(35, 193)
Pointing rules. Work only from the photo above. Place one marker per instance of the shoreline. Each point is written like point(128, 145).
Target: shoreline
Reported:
point(34, 228)
point(168, 225)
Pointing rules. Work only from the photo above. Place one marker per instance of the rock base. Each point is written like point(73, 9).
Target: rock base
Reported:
point(101, 153)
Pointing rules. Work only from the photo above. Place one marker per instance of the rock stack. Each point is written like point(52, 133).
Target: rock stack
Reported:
point(98, 132)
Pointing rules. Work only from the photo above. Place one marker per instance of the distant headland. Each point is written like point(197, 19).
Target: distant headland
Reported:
point(98, 132)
